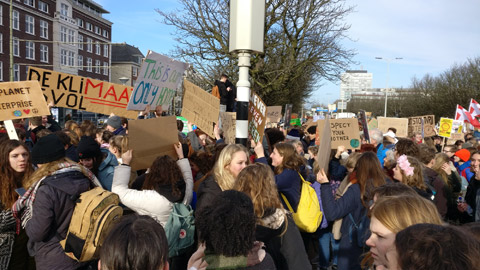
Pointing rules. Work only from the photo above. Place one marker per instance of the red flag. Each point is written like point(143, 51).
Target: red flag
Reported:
point(474, 108)
point(462, 115)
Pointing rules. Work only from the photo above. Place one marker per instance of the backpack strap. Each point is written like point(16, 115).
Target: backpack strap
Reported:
point(285, 198)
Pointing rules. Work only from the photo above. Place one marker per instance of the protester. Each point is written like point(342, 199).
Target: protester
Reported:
point(47, 206)
point(406, 147)
point(390, 215)
point(432, 246)
point(15, 168)
point(227, 228)
point(409, 172)
point(275, 227)
point(355, 202)
point(233, 158)
point(452, 185)
point(100, 161)
point(114, 125)
point(472, 197)
point(117, 145)
point(376, 138)
point(136, 242)
point(70, 149)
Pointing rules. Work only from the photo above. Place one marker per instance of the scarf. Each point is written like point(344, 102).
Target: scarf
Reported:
point(23, 207)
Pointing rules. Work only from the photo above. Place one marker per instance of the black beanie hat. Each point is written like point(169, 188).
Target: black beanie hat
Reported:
point(48, 149)
point(88, 148)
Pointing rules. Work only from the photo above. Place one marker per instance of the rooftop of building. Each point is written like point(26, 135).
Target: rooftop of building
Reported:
point(126, 53)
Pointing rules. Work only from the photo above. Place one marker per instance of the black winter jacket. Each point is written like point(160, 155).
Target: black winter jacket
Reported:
point(52, 212)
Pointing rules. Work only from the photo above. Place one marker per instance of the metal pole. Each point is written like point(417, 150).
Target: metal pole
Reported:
point(386, 89)
point(11, 41)
point(243, 96)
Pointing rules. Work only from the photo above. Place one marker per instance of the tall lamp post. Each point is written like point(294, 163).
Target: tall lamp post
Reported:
point(388, 76)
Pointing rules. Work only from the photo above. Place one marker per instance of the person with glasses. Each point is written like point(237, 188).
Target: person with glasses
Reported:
point(450, 150)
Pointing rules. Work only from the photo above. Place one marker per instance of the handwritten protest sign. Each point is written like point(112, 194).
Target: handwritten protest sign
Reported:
point(455, 137)
point(150, 138)
point(415, 125)
point(257, 116)
point(344, 132)
point(445, 128)
point(200, 107)
point(81, 93)
point(400, 124)
point(229, 122)
point(274, 114)
point(21, 100)
point(157, 81)
point(372, 124)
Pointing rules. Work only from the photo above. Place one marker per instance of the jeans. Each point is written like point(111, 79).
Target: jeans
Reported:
point(324, 254)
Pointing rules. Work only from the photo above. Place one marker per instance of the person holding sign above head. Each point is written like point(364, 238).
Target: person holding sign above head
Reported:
point(100, 161)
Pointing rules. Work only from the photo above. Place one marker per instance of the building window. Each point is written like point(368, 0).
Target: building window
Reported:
point(16, 20)
point(89, 45)
point(97, 48)
point(43, 29)
point(89, 26)
point(89, 64)
point(97, 66)
point(80, 22)
point(1, 43)
point(105, 68)
point(63, 34)
point(1, 71)
point(105, 33)
point(80, 62)
point(29, 3)
point(134, 71)
point(71, 58)
point(42, 6)
point(29, 50)
point(64, 9)
point(16, 47)
point(16, 72)
point(63, 57)
point(1, 15)
point(43, 53)
point(80, 42)
point(105, 50)
point(71, 36)
point(29, 25)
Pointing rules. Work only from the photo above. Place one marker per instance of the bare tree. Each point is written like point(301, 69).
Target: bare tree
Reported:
point(301, 46)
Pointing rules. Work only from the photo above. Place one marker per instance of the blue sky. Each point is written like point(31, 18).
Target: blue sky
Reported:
point(430, 36)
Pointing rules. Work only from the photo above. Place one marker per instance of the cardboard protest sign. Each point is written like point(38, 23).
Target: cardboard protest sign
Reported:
point(200, 107)
point(400, 124)
point(229, 123)
point(288, 115)
point(81, 93)
point(372, 124)
point(445, 128)
point(21, 100)
point(362, 122)
point(324, 144)
point(344, 132)
point(257, 116)
point(150, 138)
point(415, 125)
point(274, 114)
point(157, 82)
point(455, 137)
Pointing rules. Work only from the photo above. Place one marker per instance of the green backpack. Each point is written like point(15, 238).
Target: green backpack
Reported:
point(180, 229)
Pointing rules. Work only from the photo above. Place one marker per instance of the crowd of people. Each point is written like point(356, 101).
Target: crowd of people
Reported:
point(395, 203)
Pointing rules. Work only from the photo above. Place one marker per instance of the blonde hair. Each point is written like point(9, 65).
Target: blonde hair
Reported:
point(440, 159)
point(49, 168)
point(258, 182)
point(415, 180)
point(399, 212)
point(120, 142)
point(223, 176)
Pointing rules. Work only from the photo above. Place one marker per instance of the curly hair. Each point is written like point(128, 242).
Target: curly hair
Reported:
point(228, 226)
point(406, 147)
point(291, 159)
point(9, 178)
point(135, 242)
point(203, 160)
point(415, 180)
point(223, 176)
point(432, 246)
point(258, 182)
point(164, 171)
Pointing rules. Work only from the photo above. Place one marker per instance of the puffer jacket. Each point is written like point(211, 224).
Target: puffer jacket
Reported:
point(106, 169)
point(51, 215)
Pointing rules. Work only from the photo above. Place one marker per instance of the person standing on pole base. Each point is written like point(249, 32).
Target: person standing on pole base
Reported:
point(222, 89)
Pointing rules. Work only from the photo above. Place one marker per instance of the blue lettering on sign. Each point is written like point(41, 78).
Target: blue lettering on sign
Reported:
point(135, 100)
point(165, 75)
point(145, 97)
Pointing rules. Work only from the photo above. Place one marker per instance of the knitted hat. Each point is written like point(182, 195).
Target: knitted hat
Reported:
point(88, 148)
point(293, 135)
point(48, 149)
point(114, 121)
point(463, 154)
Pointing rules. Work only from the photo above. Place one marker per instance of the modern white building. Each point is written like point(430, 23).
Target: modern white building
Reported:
point(352, 82)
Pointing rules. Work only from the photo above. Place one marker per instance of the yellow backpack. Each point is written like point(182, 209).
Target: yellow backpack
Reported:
point(95, 213)
point(308, 216)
